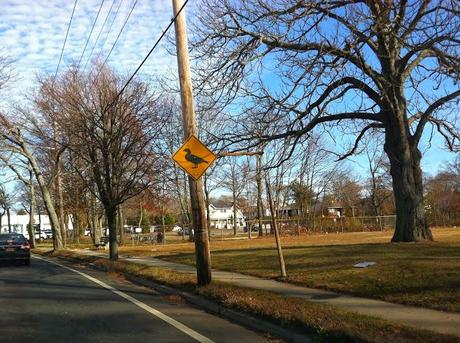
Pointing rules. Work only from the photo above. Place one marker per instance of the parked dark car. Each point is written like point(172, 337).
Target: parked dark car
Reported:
point(185, 231)
point(14, 247)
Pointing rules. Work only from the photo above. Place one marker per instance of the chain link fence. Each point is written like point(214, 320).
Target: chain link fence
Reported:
point(291, 226)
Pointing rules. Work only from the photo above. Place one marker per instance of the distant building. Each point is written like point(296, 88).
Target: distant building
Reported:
point(222, 217)
point(335, 211)
point(19, 223)
point(287, 212)
point(251, 212)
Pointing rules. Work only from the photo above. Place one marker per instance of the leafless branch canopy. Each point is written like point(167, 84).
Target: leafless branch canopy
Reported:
point(294, 66)
point(111, 141)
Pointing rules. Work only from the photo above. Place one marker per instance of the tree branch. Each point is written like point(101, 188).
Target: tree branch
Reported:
point(358, 139)
point(428, 113)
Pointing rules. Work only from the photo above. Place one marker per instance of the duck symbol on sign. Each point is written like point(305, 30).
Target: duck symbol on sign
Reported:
point(196, 160)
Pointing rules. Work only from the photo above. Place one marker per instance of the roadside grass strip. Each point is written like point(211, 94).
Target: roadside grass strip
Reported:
point(324, 322)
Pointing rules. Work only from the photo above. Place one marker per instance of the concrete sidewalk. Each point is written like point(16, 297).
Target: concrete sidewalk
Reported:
point(422, 318)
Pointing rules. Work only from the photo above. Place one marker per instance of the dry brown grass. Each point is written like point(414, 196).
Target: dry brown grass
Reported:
point(423, 274)
point(325, 323)
point(451, 235)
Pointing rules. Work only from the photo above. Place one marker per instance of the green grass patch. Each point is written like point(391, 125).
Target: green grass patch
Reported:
point(325, 323)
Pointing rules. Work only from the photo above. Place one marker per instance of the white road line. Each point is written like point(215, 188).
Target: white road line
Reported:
point(185, 329)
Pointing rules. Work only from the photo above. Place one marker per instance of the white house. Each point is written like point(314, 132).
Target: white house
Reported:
point(222, 217)
point(19, 223)
point(335, 211)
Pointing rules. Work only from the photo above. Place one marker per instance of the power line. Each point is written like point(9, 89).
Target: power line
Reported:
point(65, 40)
point(118, 36)
point(99, 34)
point(91, 32)
point(149, 53)
point(111, 24)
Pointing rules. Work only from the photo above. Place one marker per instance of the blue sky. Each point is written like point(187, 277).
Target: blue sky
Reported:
point(32, 34)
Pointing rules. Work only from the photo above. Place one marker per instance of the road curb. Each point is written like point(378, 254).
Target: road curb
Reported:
point(244, 319)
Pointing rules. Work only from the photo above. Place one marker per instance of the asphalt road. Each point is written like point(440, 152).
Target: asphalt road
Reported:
point(49, 303)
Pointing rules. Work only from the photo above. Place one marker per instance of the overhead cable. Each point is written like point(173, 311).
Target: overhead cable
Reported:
point(150, 52)
point(91, 32)
point(111, 24)
point(99, 34)
point(65, 39)
point(118, 37)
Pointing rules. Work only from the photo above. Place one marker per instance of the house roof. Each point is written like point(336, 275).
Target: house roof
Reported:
point(222, 205)
point(335, 206)
point(217, 203)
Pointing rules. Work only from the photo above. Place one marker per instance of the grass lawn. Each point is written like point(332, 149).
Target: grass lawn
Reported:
point(422, 274)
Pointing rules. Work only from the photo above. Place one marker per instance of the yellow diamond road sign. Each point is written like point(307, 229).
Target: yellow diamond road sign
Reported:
point(194, 157)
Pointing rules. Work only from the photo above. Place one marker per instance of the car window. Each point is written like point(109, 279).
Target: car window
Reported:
point(16, 238)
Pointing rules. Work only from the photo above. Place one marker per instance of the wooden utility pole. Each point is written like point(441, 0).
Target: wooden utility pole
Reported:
point(202, 254)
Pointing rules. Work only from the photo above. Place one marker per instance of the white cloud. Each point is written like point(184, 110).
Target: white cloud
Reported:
point(32, 33)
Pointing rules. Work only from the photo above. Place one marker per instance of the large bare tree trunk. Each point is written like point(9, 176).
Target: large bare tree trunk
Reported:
point(57, 239)
point(77, 226)
point(120, 224)
point(141, 214)
point(234, 196)
point(39, 222)
point(61, 206)
point(94, 222)
point(8, 216)
point(207, 203)
point(31, 210)
point(411, 224)
point(111, 214)
point(260, 211)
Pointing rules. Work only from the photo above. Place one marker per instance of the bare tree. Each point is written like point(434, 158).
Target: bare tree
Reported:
point(14, 142)
point(379, 181)
point(76, 195)
point(172, 176)
point(18, 167)
point(112, 133)
point(443, 196)
point(42, 134)
point(5, 204)
point(6, 70)
point(234, 177)
point(347, 191)
point(340, 62)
